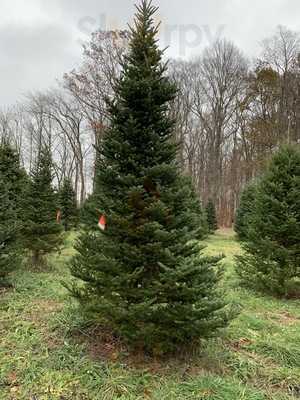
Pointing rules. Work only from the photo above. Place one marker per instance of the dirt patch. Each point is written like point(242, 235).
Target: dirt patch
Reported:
point(47, 304)
point(41, 309)
point(237, 345)
point(284, 318)
point(102, 345)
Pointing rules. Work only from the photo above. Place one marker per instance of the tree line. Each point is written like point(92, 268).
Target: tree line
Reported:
point(231, 114)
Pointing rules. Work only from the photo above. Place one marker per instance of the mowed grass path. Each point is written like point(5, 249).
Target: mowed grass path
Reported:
point(48, 352)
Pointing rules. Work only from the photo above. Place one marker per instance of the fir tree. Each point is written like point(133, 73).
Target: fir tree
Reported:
point(211, 216)
point(244, 211)
point(272, 258)
point(9, 250)
point(41, 231)
point(144, 274)
point(68, 205)
point(12, 183)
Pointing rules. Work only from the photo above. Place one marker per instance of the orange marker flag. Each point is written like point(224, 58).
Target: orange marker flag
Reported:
point(102, 222)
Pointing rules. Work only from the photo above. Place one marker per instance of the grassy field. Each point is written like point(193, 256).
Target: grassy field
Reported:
point(46, 351)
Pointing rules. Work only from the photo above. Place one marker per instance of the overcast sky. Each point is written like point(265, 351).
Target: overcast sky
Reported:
point(40, 39)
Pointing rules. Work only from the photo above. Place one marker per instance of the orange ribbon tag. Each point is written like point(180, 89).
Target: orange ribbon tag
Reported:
point(102, 222)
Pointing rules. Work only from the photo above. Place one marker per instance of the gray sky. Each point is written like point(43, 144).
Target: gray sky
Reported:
point(40, 39)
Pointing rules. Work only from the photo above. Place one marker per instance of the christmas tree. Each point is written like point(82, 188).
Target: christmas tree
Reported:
point(211, 216)
point(272, 258)
point(42, 233)
point(244, 211)
point(9, 250)
point(68, 205)
point(12, 181)
point(144, 275)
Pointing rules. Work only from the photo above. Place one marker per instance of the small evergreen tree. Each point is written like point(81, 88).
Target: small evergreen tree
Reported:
point(41, 231)
point(9, 250)
point(211, 216)
point(68, 205)
point(12, 183)
point(144, 274)
point(271, 261)
point(244, 211)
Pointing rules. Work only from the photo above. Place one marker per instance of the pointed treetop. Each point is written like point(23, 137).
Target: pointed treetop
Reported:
point(144, 33)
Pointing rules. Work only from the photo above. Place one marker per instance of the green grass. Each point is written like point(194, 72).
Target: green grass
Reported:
point(47, 352)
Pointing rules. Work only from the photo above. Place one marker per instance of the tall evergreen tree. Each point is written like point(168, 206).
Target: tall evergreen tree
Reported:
point(68, 205)
point(41, 231)
point(144, 274)
point(211, 216)
point(12, 183)
point(271, 261)
point(244, 211)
